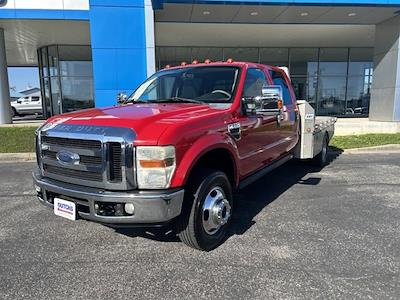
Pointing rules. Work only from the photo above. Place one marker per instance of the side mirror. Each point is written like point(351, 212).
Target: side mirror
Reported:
point(269, 103)
point(121, 97)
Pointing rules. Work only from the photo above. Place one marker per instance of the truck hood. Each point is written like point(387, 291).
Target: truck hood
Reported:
point(148, 121)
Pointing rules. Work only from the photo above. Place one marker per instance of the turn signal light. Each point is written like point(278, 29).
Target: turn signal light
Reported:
point(157, 163)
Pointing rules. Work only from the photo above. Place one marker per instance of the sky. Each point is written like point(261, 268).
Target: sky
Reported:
point(22, 77)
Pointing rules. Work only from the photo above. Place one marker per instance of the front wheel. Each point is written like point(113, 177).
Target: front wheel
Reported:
point(207, 210)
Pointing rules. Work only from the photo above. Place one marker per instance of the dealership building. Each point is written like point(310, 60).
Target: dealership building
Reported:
point(343, 55)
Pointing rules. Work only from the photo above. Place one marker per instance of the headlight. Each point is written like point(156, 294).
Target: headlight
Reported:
point(155, 166)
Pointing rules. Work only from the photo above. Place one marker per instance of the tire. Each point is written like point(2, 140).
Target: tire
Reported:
point(322, 158)
point(13, 112)
point(195, 227)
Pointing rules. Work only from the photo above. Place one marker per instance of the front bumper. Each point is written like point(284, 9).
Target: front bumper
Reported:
point(151, 207)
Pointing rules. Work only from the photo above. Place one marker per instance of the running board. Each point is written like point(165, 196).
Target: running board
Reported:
point(264, 171)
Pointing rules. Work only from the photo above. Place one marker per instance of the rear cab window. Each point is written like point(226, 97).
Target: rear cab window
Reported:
point(279, 79)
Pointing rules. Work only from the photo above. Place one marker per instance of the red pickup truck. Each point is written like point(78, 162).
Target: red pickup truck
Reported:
point(174, 151)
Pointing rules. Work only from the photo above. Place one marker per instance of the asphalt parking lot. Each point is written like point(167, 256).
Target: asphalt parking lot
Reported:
point(298, 233)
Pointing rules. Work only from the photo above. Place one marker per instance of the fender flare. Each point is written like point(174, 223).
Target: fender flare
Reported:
point(203, 145)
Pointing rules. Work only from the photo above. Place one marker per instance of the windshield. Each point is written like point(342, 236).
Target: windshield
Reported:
point(200, 84)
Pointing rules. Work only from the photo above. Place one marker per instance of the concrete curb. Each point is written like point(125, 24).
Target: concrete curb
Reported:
point(391, 148)
point(18, 157)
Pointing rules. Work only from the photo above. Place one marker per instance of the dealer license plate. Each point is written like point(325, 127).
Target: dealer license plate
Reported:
point(65, 209)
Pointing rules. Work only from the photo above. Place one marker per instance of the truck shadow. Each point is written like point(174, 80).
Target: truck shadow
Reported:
point(251, 200)
point(255, 197)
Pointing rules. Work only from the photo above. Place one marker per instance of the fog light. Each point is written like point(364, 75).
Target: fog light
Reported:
point(37, 188)
point(129, 208)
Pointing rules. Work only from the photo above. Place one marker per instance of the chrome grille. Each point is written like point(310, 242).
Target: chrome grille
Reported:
point(115, 162)
point(105, 155)
point(74, 143)
point(85, 175)
point(85, 159)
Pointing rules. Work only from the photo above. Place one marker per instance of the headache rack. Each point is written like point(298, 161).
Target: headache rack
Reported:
point(313, 130)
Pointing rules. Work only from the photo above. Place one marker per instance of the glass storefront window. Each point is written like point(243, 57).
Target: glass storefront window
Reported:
point(77, 93)
point(331, 95)
point(358, 95)
point(66, 78)
point(173, 56)
point(274, 56)
point(53, 60)
point(241, 54)
point(55, 95)
point(46, 97)
point(304, 61)
point(304, 88)
point(361, 59)
point(202, 53)
point(335, 81)
point(43, 62)
point(333, 61)
point(75, 61)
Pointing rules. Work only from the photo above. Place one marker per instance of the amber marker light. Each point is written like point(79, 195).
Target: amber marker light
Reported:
point(280, 104)
point(157, 163)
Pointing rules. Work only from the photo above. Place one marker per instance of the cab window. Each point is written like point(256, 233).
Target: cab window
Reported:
point(279, 79)
point(255, 80)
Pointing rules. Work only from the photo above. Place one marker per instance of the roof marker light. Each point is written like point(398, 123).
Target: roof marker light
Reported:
point(167, 67)
point(195, 62)
point(229, 60)
point(184, 63)
point(207, 61)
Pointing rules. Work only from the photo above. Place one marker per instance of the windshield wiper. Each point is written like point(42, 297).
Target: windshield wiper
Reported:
point(172, 99)
point(180, 99)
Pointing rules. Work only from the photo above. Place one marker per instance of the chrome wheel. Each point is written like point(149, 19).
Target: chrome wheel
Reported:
point(216, 211)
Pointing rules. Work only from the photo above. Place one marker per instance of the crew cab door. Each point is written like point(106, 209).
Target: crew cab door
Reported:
point(259, 133)
point(288, 125)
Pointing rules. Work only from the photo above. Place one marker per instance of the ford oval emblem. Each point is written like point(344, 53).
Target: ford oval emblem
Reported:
point(65, 157)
